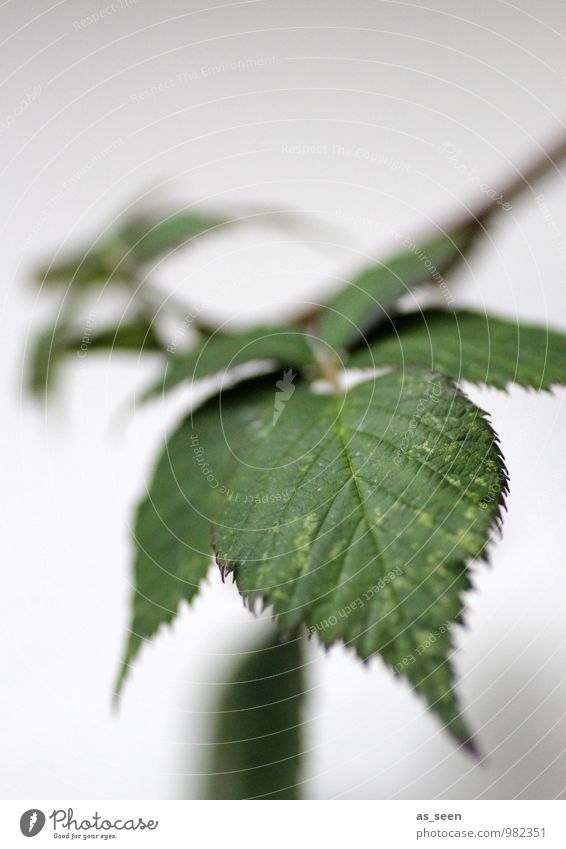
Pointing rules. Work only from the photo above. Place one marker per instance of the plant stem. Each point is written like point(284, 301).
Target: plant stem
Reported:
point(522, 180)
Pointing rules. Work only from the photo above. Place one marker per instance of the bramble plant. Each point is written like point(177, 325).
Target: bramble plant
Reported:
point(346, 484)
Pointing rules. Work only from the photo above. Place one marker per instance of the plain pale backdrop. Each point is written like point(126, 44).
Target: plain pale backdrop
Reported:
point(170, 97)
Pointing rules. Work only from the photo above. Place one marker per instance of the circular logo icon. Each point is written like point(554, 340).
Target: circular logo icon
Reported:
point(31, 822)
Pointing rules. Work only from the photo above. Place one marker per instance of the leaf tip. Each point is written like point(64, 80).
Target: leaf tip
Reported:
point(471, 747)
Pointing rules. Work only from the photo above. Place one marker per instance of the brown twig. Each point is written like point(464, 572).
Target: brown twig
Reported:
point(520, 182)
point(524, 179)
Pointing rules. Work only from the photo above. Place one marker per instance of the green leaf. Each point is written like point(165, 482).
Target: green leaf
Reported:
point(151, 236)
point(257, 742)
point(471, 346)
point(89, 267)
point(136, 336)
point(172, 534)
point(42, 361)
point(118, 256)
point(222, 352)
point(367, 508)
point(369, 297)
point(55, 343)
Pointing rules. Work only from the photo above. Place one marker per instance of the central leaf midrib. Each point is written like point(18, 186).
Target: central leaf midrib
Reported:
point(340, 430)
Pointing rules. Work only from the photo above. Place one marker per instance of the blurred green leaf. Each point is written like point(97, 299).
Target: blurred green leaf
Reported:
point(42, 361)
point(151, 237)
point(56, 343)
point(89, 267)
point(119, 256)
point(221, 352)
point(258, 741)
point(137, 336)
point(373, 292)
point(467, 345)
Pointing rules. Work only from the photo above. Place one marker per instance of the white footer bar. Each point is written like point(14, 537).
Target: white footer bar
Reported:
point(284, 825)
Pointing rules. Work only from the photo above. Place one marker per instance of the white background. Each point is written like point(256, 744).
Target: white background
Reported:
point(390, 79)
